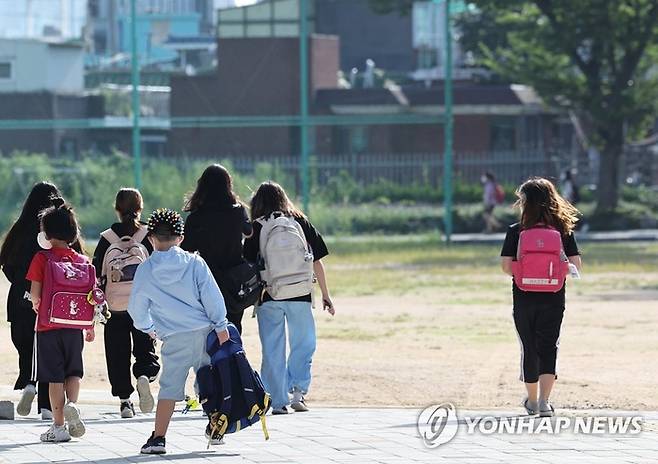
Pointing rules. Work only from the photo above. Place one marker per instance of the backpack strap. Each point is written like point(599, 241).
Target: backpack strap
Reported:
point(111, 236)
point(219, 420)
point(248, 387)
point(140, 235)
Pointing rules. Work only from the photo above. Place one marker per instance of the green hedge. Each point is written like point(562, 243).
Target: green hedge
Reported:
point(341, 206)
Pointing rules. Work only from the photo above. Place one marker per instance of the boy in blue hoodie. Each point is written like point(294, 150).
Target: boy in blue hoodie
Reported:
point(175, 298)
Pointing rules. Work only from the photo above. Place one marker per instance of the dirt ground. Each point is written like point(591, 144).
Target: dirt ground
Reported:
point(448, 344)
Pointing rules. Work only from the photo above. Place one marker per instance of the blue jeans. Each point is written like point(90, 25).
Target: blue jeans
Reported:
point(281, 377)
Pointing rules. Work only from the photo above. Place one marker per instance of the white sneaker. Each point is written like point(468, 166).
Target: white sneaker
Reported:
point(546, 409)
point(146, 401)
point(297, 403)
point(127, 409)
point(72, 415)
point(56, 434)
point(25, 404)
point(46, 414)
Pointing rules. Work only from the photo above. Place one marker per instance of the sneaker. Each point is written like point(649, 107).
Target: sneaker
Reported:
point(529, 410)
point(279, 411)
point(25, 404)
point(46, 414)
point(72, 415)
point(127, 409)
point(213, 439)
point(298, 404)
point(154, 445)
point(546, 409)
point(56, 434)
point(146, 402)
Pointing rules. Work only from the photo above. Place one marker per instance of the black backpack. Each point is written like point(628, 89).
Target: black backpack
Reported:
point(241, 286)
point(230, 391)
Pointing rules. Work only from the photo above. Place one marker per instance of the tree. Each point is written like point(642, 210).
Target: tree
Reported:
point(593, 56)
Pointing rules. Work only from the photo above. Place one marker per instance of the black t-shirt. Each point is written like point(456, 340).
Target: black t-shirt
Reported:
point(313, 238)
point(18, 306)
point(122, 230)
point(216, 232)
point(510, 248)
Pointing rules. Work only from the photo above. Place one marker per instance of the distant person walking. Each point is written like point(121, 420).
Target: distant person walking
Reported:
point(122, 248)
point(569, 188)
point(538, 253)
point(18, 249)
point(216, 226)
point(492, 196)
point(291, 250)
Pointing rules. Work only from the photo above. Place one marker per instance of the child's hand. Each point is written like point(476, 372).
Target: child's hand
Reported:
point(153, 335)
point(90, 335)
point(223, 336)
point(328, 305)
point(35, 306)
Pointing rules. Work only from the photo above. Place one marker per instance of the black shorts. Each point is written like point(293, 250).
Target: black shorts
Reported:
point(59, 355)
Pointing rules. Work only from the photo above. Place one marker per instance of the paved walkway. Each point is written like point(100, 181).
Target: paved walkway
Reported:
point(322, 435)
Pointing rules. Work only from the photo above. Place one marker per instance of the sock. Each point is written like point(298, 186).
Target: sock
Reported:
point(124, 400)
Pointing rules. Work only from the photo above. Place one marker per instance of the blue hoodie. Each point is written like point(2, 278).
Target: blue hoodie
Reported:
point(173, 291)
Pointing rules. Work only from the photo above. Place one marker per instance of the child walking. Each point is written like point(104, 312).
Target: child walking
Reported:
point(59, 350)
point(538, 314)
point(120, 250)
point(176, 299)
point(292, 250)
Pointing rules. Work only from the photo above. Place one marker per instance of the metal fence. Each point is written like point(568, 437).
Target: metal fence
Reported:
point(510, 167)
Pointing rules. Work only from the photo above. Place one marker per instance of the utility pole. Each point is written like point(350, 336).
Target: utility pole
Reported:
point(303, 99)
point(134, 75)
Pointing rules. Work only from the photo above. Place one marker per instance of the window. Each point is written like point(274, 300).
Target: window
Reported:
point(5, 70)
point(503, 133)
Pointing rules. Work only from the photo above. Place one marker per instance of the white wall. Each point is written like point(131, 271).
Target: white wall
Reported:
point(42, 66)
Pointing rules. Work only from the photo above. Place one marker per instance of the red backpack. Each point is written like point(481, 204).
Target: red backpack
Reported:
point(500, 194)
point(68, 293)
point(541, 264)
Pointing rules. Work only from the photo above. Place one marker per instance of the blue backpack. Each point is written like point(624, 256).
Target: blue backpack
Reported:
point(230, 391)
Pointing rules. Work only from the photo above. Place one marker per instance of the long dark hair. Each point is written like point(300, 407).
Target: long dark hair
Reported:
point(271, 197)
point(214, 187)
point(128, 205)
point(540, 203)
point(27, 225)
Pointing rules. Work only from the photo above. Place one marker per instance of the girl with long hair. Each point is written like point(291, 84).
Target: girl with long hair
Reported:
point(286, 301)
point(122, 339)
point(18, 248)
point(538, 314)
point(216, 226)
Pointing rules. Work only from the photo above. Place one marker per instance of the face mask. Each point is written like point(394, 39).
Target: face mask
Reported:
point(43, 241)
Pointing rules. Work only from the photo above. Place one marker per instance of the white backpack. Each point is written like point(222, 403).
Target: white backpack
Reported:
point(120, 264)
point(288, 259)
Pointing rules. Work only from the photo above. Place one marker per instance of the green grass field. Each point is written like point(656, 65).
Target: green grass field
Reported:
point(417, 265)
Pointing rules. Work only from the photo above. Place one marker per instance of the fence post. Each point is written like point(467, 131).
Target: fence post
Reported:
point(303, 110)
point(447, 127)
point(134, 79)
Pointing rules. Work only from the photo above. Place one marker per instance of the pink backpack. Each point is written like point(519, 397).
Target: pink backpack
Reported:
point(541, 264)
point(67, 294)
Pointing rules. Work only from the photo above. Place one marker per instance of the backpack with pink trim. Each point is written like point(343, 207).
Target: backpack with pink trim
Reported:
point(541, 264)
point(69, 293)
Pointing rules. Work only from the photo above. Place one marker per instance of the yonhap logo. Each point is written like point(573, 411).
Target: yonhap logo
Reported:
point(438, 424)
